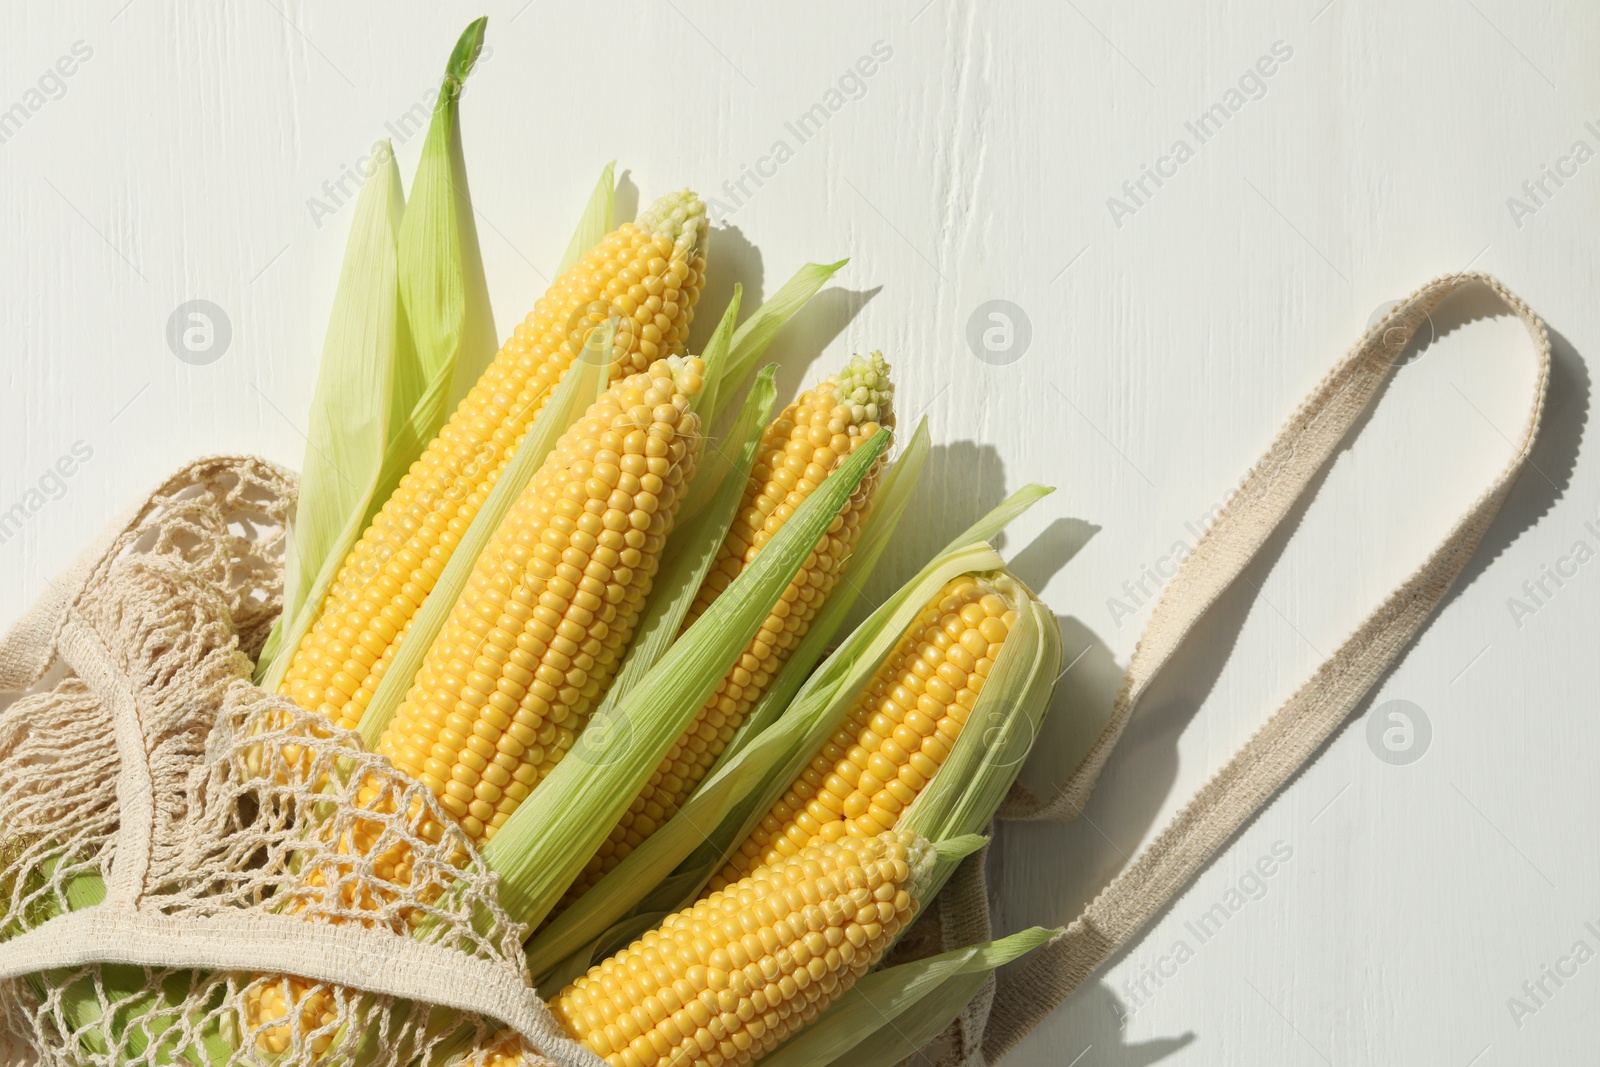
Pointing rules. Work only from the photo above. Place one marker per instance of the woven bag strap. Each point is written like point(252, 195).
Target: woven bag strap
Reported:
point(1292, 735)
point(349, 955)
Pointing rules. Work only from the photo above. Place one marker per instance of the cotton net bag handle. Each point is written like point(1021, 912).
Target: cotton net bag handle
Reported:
point(1294, 732)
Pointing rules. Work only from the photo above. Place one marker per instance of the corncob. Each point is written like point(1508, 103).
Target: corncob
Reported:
point(896, 736)
point(551, 604)
point(798, 451)
point(649, 272)
point(724, 981)
point(533, 640)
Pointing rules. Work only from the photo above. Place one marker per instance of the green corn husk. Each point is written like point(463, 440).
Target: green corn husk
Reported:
point(433, 286)
point(128, 996)
point(419, 272)
point(348, 432)
point(130, 1022)
point(573, 394)
point(895, 1006)
point(598, 219)
point(610, 901)
point(911, 1031)
point(552, 834)
point(432, 274)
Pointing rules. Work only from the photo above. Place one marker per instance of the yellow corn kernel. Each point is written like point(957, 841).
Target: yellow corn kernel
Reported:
point(649, 273)
point(798, 451)
point(896, 736)
point(724, 981)
point(547, 614)
point(508, 1051)
point(269, 1002)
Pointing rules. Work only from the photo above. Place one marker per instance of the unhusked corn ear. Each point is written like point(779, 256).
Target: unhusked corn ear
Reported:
point(896, 736)
point(551, 605)
point(724, 981)
point(648, 272)
point(801, 447)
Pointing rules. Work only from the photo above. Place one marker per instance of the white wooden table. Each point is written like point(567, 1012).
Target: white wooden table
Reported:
point(1334, 155)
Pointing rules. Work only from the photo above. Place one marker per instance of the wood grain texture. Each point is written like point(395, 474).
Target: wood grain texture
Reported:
point(180, 159)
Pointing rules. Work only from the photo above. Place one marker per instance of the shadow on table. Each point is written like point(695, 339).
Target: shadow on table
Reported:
point(479, 342)
point(731, 259)
point(627, 198)
point(806, 336)
point(1098, 1036)
point(1040, 559)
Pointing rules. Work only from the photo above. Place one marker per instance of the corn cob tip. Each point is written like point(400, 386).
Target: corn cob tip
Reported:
point(921, 856)
point(680, 217)
point(864, 384)
point(688, 374)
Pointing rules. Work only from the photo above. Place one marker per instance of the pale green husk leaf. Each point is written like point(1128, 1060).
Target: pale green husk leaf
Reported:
point(347, 434)
point(912, 1030)
point(715, 461)
point(598, 218)
point(432, 281)
point(715, 357)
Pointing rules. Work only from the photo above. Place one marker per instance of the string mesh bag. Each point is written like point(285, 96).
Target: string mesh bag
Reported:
point(196, 871)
